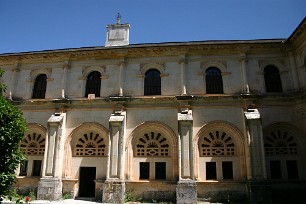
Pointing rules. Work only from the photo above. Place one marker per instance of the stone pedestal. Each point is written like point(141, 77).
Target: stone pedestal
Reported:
point(113, 192)
point(259, 193)
point(186, 192)
point(69, 187)
point(49, 189)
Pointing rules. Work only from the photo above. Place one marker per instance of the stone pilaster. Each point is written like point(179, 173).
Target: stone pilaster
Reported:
point(66, 66)
point(243, 64)
point(183, 63)
point(186, 190)
point(120, 79)
point(50, 185)
point(256, 165)
point(14, 80)
point(114, 186)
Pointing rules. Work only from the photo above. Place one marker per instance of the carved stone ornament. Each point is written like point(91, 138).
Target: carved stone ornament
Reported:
point(161, 67)
point(218, 64)
point(35, 72)
point(86, 70)
point(279, 64)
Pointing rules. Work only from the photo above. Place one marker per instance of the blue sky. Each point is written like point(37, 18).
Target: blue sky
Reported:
point(33, 25)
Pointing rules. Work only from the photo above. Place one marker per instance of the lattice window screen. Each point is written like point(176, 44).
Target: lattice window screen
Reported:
point(217, 144)
point(90, 144)
point(33, 144)
point(152, 144)
point(280, 143)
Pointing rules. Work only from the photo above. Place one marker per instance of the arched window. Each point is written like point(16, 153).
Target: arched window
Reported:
point(152, 83)
point(272, 79)
point(214, 83)
point(282, 154)
point(219, 146)
point(93, 84)
point(40, 86)
point(32, 145)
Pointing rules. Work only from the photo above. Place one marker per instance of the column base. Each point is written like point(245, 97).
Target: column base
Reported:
point(186, 192)
point(113, 192)
point(259, 193)
point(49, 189)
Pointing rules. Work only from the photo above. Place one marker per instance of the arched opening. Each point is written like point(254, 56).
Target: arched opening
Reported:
point(152, 83)
point(214, 83)
point(40, 86)
point(220, 153)
point(93, 84)
point(284, 152)
point(272, 79)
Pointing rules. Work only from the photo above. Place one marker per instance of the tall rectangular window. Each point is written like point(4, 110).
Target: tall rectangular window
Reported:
point(292, 169)
point(160, 170)
point(275, 168)
point(36, 168)
point(23, 168)
point(211, 170)
point(227, 170)
point(144, 169)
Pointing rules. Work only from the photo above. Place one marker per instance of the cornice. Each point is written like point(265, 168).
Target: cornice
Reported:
point(144, 50)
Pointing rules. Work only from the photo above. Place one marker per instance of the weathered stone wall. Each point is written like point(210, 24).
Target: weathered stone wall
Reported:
point(150, 191)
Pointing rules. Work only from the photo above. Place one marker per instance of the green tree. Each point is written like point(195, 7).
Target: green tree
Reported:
point(12, 129)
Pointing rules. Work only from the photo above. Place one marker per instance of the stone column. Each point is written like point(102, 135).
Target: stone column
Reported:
point(186, 190)
point(256, 164)
point(114, 186)
point(50, 185)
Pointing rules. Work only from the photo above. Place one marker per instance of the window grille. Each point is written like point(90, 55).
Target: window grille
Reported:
point(152, 83)
point(33, 144)
point(40, 86)
point(214, 83)
point(152, 144)
point(272, 79)
point(91, 144)
point(280, 143)
point(217, 144)
point(93, 84)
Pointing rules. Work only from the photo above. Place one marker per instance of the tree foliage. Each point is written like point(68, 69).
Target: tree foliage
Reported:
point(12, 129)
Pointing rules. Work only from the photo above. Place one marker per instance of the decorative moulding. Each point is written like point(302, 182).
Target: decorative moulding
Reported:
point(218, 64)
point(35, 72)
point(86, 70)
point(161, 67)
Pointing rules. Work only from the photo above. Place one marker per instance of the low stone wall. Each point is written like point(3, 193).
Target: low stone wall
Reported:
point(25, 185)
point(152, 191)
point(222, 192)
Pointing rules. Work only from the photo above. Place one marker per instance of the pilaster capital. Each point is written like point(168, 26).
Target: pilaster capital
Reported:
point(55, 119)
point(252, 114)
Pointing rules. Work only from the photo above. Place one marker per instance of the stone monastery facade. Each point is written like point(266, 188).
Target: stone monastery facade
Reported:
point(211, 120)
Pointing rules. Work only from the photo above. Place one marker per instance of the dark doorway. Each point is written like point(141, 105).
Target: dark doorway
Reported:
point(86, 182)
